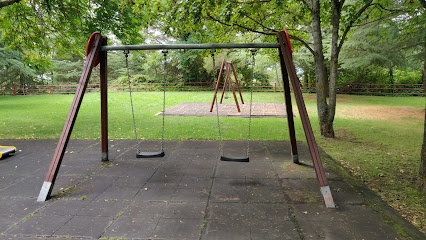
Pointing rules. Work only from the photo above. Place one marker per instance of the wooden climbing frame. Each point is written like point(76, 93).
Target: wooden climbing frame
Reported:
point(227, 66)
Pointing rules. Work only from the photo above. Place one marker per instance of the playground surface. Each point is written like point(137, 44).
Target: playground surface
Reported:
point(188, 194)
point(259, 110)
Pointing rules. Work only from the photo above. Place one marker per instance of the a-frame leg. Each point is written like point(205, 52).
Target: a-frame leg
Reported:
point(104, 102)
point(313, 147)
point(236, 82)
point(228, 76)
point(289, 110)
point(224, 83)
point(49, 181)
point(217, 84)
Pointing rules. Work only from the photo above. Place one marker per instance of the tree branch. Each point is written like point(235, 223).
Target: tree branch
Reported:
point(260, 32)
point(7, 3)
point(259, 23)
point(239, 25)
point(357, 15)
point(303, 43)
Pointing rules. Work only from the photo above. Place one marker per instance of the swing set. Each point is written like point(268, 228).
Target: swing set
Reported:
point(96, 52)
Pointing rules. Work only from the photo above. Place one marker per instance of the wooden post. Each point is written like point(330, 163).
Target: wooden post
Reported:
point(310, 138)
point(289, 109)
point(228, 75)
point(236, 82)
point(103, 60)
point(217, 84)
point(49, 181)
point(393, 90)
point(224, 83)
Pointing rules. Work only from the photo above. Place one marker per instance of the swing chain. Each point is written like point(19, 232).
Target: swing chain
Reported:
point(253, 52)
point(164, 96)
point(126, 54)
point(217, 107)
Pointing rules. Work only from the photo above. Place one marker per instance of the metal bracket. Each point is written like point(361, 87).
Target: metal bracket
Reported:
point(104, 157)
point(44, 192)
point(328, 198)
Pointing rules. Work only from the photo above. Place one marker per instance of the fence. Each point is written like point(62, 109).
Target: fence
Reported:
point(347, 88)
point(373, 89)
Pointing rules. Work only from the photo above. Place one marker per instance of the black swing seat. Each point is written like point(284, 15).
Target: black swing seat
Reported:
point(234, 159)
point(150, 154)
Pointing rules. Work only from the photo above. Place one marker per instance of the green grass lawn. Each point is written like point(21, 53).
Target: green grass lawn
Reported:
point(378, 139)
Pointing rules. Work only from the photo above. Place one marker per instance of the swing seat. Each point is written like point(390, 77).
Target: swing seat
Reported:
point(150, 154)
point(234, 159)
point(6, 150)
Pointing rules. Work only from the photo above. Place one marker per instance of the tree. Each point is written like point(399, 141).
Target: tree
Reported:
point(191, 63)
point(422, 169)
point(259, 20)
point(375, 44)
point(42, 29)
point(13, 70)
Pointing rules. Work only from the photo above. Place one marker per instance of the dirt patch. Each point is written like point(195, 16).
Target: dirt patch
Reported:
point(382, 113)
point(343, 134)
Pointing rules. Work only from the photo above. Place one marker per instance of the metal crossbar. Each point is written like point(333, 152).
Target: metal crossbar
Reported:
point(189, 46)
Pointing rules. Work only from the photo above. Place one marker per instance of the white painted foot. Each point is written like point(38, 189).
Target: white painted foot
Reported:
point(328, 198)
point(44, 192)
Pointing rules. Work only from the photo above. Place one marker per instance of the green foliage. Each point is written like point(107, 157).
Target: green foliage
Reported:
point(67, 71)
point(38, 28)
point(374, 44)
point(191, 63)
point(364, 74)
point(391, 47)
point(13, 70)
point(408, 75)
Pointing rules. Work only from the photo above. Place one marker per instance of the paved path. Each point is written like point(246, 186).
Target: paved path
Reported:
point(259, 110)
point(189, 194)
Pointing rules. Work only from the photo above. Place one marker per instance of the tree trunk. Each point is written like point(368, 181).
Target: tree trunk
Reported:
point(422, 170)
point(334, 60)
point(325, 121)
